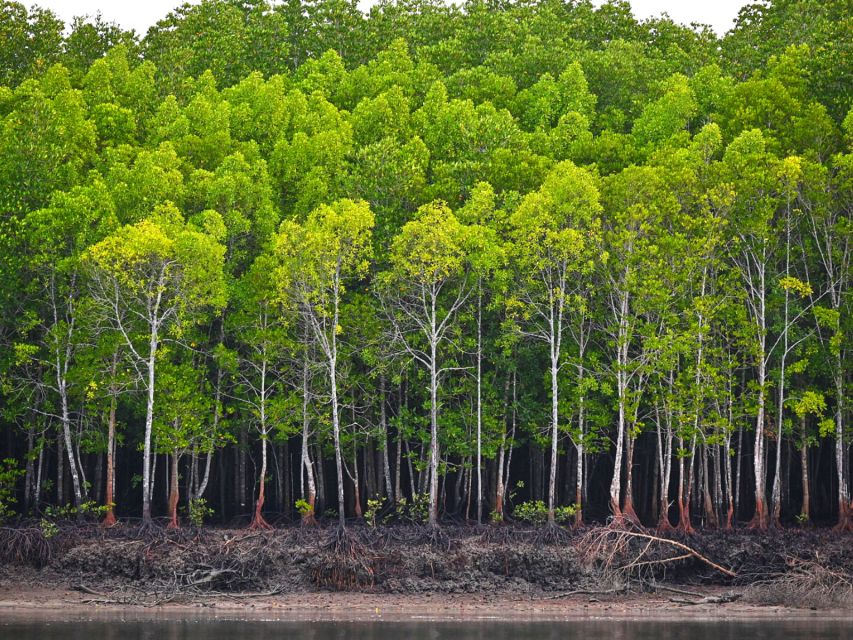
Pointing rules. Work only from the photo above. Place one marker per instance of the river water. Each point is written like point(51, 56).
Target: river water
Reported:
point(259, 629)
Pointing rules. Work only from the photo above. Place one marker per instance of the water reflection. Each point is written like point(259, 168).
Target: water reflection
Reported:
point(769, 629)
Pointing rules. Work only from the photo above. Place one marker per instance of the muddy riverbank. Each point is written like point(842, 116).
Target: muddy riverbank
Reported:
point(408, 571)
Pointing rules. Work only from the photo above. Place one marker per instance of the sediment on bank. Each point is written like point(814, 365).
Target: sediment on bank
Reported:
point(123, 566)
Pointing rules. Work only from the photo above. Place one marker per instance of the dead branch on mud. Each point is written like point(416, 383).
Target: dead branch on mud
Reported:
point(723, 599)
point(621, 554)
point(587, 592)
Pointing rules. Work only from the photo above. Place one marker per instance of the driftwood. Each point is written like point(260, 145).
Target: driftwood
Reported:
point(585, 592)
point(723, 599)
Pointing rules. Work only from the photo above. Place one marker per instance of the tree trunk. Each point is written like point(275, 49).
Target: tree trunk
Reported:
point(110, 518)
point(555, 417)
point(433, 419)
point(258, 520)
point(628, 512)
point(665, 463)
point(845, 512)
point(805, 509)
point(621, 389)
point(336, 431)
point(174, 494)
point(308, 515)
point(149, 424)
point(479, 461)
point(710, 514)
point(383, 421)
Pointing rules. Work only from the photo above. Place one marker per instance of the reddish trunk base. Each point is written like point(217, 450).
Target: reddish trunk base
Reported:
point(173, 510)
point(845, 517)
point(623, 518)
point(664, 524)
point(629, 514)
point(308, 518)
point(730, 516)
point(109, 519)
point(617, 520)
point(684, 524)
point(258, 521)
point(760, 520)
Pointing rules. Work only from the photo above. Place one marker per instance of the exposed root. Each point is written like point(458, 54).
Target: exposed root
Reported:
point(24, 546)
point(552, 534)
point(346, 566)
point(804, 582)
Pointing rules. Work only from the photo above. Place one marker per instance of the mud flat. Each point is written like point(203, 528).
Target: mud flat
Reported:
point(412, 573)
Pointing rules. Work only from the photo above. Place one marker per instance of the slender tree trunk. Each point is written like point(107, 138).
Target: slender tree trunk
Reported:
point(433, 419)
point(356, 482)
point(683, 506)
point(845, 511)
point(308, 516)
point(39, 470)
point(479, 462)
point(499, 481)
point(30, 472)
point(628, 511)
point(258, 520)
point(805, 509)
point(147, 484)
point(383, 421)
point(110, 518)
point(174, 492)
point(710, 514)
point(739, 459)
point(555, 406)
point(780, 409)
point(69, 446)
point(217, 398)
point(579, 445)
point(621, 389)
point(60, 470)
point(320, 474)
point(665, 463)
point(760, 519)
point(336, 431)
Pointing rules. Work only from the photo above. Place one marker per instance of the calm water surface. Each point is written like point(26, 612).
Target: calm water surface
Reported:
point(423, 630)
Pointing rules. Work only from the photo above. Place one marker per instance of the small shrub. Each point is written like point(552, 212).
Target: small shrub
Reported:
point(89, 508)
point(374, 505)
point(48, 528)
point(536, 512)
point(198, 511)
point(416, 511)
point(9, 474)
point(304, 508)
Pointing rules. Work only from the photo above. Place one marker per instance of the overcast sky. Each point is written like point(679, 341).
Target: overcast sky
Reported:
point(141, 14)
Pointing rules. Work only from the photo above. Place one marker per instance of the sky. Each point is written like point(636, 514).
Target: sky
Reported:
point(141, 14)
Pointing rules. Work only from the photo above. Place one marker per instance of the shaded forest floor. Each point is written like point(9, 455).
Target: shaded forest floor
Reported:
point(802, 569)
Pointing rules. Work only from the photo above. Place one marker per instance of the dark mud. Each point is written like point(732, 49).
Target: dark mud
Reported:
point(787, 567)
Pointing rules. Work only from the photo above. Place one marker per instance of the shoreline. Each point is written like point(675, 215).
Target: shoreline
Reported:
point(401, 574)
point(47, 605)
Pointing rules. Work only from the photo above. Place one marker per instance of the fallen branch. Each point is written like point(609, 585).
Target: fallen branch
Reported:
point(585, 592)
point(664, 587)
point(684, 547)
point(724, 599)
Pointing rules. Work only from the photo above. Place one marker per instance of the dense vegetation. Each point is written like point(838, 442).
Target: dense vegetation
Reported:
point(530, 259)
